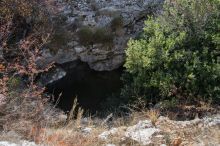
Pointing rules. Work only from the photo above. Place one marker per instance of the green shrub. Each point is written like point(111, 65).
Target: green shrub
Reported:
point(178, 54)
point(103, 36)
point(108, 40)
point(117, 23)
point(59, 40)
point(88, 36)
point(85, 36)
point(21, 20)
point(60, 36)
point(99, 35)
point(14, 83)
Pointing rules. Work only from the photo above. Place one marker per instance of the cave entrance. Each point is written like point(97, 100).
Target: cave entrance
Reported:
point(89, 86)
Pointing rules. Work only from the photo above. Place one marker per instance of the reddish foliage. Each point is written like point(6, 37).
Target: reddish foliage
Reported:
point(23, 64)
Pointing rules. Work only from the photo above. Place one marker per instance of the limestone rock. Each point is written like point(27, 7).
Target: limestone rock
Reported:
point(99, 14)
point(87, 130)
point(52, 76)
point(2, 99)
point(110, 145)
point(142, 132)
point(21, 143)
point(106, 134)
point(142, 136)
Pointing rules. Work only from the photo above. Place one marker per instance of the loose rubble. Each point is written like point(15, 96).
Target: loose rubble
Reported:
point(21, 143)
point(206, 131)
point(197, 132)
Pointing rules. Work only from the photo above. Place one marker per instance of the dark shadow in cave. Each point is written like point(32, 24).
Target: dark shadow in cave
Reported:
point(89, 86)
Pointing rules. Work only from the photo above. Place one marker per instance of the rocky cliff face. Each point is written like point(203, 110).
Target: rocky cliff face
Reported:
point(98, 31)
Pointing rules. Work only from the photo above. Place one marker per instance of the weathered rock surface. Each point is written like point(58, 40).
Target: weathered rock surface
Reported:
point(105, 135)
point(197, 132)
point(99, 14)
point(20, 143)
point(2, 99)
point(165, 132)
point(52, 76)
point(141, 132)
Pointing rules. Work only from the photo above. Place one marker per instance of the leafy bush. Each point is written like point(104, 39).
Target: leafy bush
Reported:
point(20, 19)
point(9, 8)
point(88, 36)
point(117, 23)
point(58, 40)
point(85, 36)
point(24, 31)
point(103, 36)
point(179, 52)
point(14, 83)
point(61, 36)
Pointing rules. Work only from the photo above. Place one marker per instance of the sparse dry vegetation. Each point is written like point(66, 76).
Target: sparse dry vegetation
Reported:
point(24, 104)
point(90, 36)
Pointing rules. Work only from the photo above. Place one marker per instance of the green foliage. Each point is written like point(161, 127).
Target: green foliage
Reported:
point(179, 52)
point(172, 103)
point(103, 36)
point(59, 40)
point(60, 36)
point(85, 36)
point(117, 23)
point(14, 83)
point(88, 36)
point(20, 20)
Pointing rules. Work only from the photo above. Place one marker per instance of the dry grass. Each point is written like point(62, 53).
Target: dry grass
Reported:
point(73, 134)
point(68, 135)
point(71, 131)
point(72, 111)
point(153, 115)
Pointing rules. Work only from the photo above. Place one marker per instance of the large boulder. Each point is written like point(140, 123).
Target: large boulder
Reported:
point(142, 132)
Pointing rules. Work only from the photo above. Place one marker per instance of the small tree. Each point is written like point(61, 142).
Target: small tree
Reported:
point(179, 53)
point(24, 32)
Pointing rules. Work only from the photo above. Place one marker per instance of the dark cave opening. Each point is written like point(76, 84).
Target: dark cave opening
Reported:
point(89, 86)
